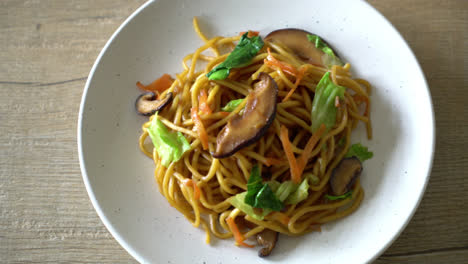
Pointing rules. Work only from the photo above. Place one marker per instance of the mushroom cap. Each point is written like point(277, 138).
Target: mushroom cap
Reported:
point(345, 174)
point(146, 104)
point(259, 113)
point(267, 238)
point(296, 40)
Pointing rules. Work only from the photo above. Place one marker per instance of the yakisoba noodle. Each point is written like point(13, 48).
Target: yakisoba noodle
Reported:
point(199, 185)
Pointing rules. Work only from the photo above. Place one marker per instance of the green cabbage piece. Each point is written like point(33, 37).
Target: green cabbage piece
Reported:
point(274, 185)
point(359, 151)
point(300, 194)
point(241, 56)
point(170, 146)
point(254, 185)
point(238, 201)
point(330, 59)
point(231, 105)
point(323, 105)
point(266, 199)
point(260, 195)
point(285, 189)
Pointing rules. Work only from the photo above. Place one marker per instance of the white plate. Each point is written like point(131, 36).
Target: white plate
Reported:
point(153, 40)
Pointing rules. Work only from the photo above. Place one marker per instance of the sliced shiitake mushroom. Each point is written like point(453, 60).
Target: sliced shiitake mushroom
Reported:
point(259, 113)
point(296, 40)
point(267, 238)
point(147, 103)
point(344, 175)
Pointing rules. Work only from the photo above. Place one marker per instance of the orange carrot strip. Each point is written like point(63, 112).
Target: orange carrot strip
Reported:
point(272, 61)
point(196, 189)
point(280, 65)
point(140, 85)
point(202, 98)
point(224, 113)
point(159, 85)
point(284, 137)
point(281, 217)
point(238, 236)
point(199, 127)
point(302, 162)
point(250, 34)
point(273, 161)
point(299, 77)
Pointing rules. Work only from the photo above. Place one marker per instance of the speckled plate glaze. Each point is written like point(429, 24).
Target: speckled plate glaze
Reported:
point(153, 40)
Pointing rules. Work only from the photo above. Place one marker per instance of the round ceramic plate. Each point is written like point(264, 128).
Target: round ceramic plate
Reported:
point(153, 41)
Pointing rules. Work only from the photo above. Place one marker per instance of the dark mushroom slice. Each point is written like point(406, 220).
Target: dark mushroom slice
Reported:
point(147, 103)
point(259, 113)
point(344, 175)
point(296, 40)
point(267, 238)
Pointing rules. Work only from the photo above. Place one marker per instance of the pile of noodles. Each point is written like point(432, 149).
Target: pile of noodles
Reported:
point(199, 185)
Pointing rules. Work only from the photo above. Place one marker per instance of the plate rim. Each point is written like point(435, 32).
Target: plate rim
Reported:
point(89, 189)
point(433, 136)
point(116, 235)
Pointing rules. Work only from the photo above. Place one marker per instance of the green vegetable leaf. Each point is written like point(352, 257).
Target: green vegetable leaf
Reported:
point(330, 59)
point(359, 151)
point(274, 185)
point(300, 194)
point(229, 107)
point(261, 195)
point(254, 185)
point(219, 73)
point(170, 146)
point(266, 199)
point(344, 196)
point(238, 201)
point(285, 189)
point(241, 56)
point(323, 105)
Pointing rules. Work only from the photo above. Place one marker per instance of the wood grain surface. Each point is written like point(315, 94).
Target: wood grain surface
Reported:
point(47, 48)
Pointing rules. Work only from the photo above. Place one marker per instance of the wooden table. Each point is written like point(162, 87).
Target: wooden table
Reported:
point(47, 48)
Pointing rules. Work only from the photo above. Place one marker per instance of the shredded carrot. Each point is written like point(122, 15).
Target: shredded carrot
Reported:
point(302, 162)
point(204, 107)
point(140, 85)
point(159, 85)
point(196, 189)
point(199, 127)
point(284, 137)
point(238, 236)
point(250, 34)
point(273, 161)
point(281, 217)
point(224, 113)
point(299, 77)
point(337, 101)
point(272, 61)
